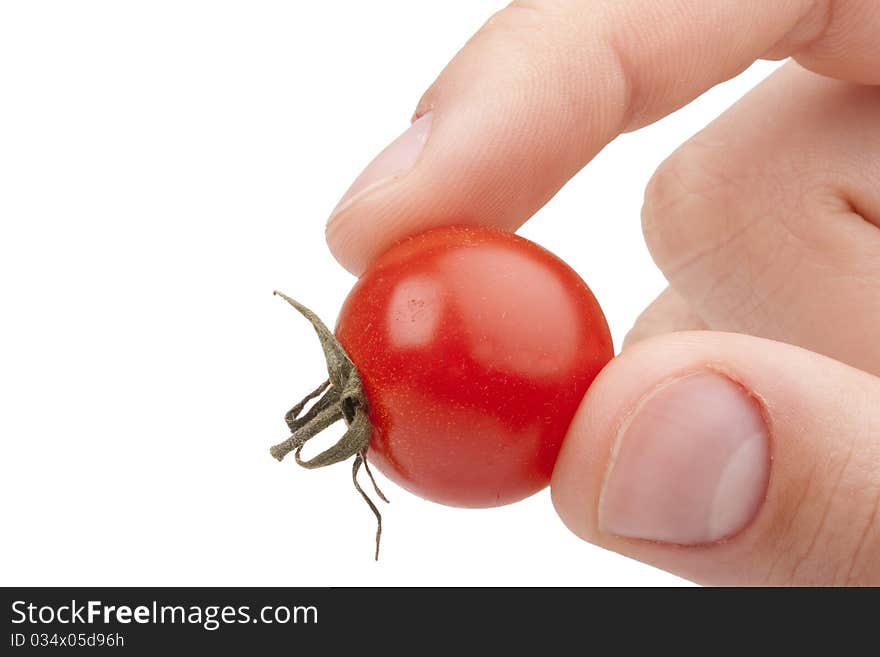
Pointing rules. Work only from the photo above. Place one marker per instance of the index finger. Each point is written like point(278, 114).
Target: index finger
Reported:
point(544, 85)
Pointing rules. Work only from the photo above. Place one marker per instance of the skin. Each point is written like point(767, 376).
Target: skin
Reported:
point(798, 283)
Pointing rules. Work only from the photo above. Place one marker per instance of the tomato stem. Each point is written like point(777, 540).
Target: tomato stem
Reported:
point(342, 398)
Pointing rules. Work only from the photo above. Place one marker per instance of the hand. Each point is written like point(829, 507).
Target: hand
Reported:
point(725, 458)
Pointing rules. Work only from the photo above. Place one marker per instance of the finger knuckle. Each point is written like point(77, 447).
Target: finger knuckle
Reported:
point(687, 202)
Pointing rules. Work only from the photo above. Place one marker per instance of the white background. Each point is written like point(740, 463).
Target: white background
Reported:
point(163, 167)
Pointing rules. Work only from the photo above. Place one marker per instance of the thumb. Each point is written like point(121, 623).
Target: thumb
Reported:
point(729, 459)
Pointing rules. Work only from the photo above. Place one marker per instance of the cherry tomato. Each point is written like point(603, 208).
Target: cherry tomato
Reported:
point(475, 347)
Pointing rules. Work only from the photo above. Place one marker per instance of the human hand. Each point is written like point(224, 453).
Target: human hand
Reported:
point(725, 458)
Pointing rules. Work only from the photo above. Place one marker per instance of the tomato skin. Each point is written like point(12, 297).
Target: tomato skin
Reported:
point(475, 347)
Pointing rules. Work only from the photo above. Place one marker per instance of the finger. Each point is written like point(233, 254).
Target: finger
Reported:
point(767, 221)
point(728, 459)
point(544, 85)
point(667, 313)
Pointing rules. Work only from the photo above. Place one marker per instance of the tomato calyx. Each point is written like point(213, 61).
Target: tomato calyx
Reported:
point(342, 397)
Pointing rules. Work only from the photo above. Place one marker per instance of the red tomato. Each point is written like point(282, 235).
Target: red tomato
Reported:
point(475, 348)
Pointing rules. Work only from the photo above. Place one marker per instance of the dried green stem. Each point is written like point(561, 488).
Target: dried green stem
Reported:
point(293, 413)
point(342, 398)
point(358, 461)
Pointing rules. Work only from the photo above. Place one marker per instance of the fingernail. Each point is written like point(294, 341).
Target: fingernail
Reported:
point(691, 464)
point(398, 157)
